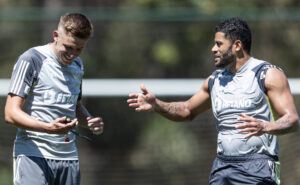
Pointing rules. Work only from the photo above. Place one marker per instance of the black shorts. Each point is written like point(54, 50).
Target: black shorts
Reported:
point(256, 169)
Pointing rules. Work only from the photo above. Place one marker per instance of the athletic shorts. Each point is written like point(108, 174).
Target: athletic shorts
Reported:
point(29, 170)
point(256, 169)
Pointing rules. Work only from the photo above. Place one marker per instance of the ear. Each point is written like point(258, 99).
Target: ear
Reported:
point(237, 46)
point(55, 35)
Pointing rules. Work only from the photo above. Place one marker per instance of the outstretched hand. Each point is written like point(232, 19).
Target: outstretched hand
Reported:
point(251, 125)
point(142, 101)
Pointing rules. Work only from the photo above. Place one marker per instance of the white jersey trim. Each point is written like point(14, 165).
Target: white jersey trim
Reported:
point(18, 81)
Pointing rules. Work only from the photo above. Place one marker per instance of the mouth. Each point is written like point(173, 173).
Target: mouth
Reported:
point(66, 59)
point(217, 58)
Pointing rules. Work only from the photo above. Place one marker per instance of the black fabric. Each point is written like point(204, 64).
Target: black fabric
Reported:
point(240, 170)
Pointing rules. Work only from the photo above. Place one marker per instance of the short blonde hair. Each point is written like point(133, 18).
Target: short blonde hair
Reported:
point(77, 25)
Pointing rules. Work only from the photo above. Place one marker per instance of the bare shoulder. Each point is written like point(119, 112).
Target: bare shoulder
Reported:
point(275, 78)
point(205, 84)
point(200, 102)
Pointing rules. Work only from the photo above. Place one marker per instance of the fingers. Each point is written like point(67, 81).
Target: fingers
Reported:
point(247, 124)
point(249, 135)
point(134, 105)
point(69, 124)
point(97, 131)
point(94, 120)
point(245, 117)
point(136, 95)
point(250, 129)
point(62, 125)
point(144, 90)
point(73, 123)
point(250, 125)
point(132, 101)
point(61, 120)
point(133, 95)
point(96, 125)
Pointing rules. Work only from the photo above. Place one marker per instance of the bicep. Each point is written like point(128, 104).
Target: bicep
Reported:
point(13, 107)
point(200, 102)
point(14, 102)
point(279, 92)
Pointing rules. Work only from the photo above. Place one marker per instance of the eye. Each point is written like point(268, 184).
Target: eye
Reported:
point(67, 47)
point(219, 44)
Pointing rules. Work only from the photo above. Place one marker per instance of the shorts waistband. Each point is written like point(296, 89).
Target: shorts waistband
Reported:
point(247, 157)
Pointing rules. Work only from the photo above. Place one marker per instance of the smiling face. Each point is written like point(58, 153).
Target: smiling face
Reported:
point(223, 51)
point(67, 47)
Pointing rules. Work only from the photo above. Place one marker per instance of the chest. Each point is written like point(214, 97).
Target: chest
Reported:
point(235, 93)
point(56, 77)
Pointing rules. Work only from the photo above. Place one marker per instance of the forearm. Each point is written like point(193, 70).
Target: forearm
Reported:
point(286, 124)
point(20, 119)
point(175, 111)
point(82, 114)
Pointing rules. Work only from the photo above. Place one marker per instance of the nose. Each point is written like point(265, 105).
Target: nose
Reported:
point(214, 49)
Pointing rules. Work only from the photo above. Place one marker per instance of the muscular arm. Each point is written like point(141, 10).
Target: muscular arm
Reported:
point(280, 96)
point(176, 111)
point(281, 99)
point(16, 116)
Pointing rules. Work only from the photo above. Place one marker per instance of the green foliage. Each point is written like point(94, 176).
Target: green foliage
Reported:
point(169, 144)
point(166, 53)
point(6, 176)
point(160, 39)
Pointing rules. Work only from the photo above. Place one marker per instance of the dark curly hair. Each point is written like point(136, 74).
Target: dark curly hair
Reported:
point(236, 29)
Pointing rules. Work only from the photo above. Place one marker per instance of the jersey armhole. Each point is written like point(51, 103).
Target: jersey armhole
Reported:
point(211, 80)
point(261, 76)
point(261, 72)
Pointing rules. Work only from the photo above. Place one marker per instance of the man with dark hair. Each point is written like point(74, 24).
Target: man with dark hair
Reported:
point(44, 103)
point(252, 105)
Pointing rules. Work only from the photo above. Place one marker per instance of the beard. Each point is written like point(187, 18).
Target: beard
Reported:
point(225, 59)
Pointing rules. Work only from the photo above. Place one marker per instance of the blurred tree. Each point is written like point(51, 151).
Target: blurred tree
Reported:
point(131, 41)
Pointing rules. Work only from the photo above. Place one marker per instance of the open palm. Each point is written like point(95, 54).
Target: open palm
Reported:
point(142, 101)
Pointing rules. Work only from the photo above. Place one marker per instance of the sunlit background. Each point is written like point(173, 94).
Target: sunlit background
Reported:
point(151, 39)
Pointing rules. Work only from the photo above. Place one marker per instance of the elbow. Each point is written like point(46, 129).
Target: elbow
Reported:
point(296, 124)
point(8, 117)
point(190, 117)
point(186, 117)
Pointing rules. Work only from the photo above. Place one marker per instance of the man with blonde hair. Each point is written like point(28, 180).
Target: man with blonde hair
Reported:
point(44, 104)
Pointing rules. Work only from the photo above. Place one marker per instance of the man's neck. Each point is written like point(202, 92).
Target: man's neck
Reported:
point(240, 61)
point(52, 45)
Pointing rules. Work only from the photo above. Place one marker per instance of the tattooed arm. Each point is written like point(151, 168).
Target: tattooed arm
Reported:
point(176, 111)
point(281, 99)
